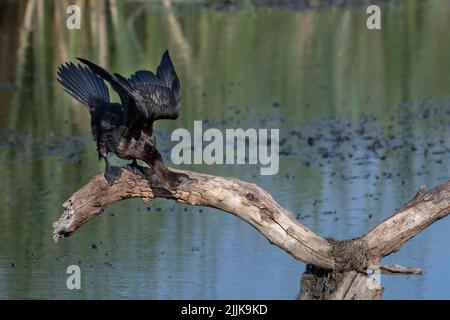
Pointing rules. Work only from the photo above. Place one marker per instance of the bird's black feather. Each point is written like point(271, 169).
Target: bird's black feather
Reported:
point(127, 129)
point(82, 84)
point(158, 95)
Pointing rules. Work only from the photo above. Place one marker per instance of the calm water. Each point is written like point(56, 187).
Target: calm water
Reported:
point(376, 104)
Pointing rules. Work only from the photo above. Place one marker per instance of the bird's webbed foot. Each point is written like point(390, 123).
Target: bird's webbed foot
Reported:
point(112, 174)
point(135, 168)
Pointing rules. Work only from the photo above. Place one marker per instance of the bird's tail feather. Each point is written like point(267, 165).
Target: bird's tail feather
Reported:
point(81, 83)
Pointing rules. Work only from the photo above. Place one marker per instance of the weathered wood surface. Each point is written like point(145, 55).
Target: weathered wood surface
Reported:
point(339, 267)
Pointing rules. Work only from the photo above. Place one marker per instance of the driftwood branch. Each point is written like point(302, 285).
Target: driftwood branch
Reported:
point(396, 269)
point(335, 269)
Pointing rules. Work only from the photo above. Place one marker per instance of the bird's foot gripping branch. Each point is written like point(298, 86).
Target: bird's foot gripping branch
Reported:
point(335, 269)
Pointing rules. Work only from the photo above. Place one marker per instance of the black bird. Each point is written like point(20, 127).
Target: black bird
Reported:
point(107, 119)
point(146, 97)
point(121, 128)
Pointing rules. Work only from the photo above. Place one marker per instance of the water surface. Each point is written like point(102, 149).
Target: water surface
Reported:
point(364, 119)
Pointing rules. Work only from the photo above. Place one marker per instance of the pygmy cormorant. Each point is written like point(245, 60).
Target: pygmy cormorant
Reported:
point(127, 129)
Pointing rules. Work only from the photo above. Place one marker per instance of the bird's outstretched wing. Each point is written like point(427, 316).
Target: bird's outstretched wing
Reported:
point(153, 96)
point(120, 85)
point(82, 84)
point(88, 88)
point(157, 95)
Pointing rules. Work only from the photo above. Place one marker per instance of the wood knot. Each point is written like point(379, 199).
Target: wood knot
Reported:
point(420, 193)
point(97, 204)
point(266, 215)
point(250, 197)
